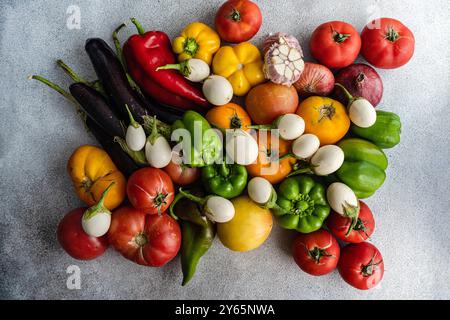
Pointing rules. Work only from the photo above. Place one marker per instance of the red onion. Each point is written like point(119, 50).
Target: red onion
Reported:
point(315, 79)
point(360, 80)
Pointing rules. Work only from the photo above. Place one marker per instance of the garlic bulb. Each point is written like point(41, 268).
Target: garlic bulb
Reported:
point(283, 59)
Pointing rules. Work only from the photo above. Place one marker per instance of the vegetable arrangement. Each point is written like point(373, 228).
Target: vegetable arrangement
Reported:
point(193, 164)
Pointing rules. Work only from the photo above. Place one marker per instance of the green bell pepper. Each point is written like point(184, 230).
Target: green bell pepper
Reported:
point(204, 144)
point(385, 133)
point(364, 166)
point(197, 234)
point(301, 204)
point(225, 180)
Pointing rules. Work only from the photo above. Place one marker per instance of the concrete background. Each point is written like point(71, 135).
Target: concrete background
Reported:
point(39, 131)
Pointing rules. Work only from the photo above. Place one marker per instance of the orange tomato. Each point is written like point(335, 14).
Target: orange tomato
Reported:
point(324, 117)
point(229, 116)
point(267, 164)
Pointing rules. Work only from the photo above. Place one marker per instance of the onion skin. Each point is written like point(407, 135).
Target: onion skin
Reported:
point(361, 80)
point(315, 80)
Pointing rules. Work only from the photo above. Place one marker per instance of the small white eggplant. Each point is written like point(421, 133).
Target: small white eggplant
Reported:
point(327, 160)
point(219, 209)
point(291, 126)
point(360, 111)
point(343, 200)
point(241, 147)
point(97, 219)
point(216, 209)
point(157, 149)
point(305, 146)
point(261, 191)
point(217, 90)
point(135, 136)
point(195, 70)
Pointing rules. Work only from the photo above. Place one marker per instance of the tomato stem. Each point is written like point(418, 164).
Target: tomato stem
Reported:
point(235, 15)
point(392, 35)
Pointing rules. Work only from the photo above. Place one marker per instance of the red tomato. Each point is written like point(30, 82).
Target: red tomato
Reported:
point(238, 20)
point(316, 253)
point(77, 243)
point(335, 44)
point(364, 228)
point(181, 174)
point(150, 190)
point(387, 43)
point(361, 265)
point(149, 240)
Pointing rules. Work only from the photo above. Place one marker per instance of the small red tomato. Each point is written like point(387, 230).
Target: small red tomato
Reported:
point(180, 173)
point(363, 229)
point(361, 265)
point(149, 240)
point(77, 243)
point(151, 190)
point(335, 44)
point(238, 20)
point(316, 253)
point(387, 43)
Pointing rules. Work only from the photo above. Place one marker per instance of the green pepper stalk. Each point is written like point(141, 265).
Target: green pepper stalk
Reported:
point(225, 180)
point(97, 219)
point(216, 209)
point(197, 234)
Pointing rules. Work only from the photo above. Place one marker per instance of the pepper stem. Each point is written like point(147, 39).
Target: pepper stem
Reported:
point(100, 206)
point(190, 46)
point(177, 198)
point(130, 116)
point(139, 27)
point(224, 170)
point(193, 198)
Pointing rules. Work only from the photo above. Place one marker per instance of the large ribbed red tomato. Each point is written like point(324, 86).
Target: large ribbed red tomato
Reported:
point(335, 44)
point(238, 20)
point(150, 190)
point(387, 43)
point(149, 240)
point(361, 265)
point(316, 253)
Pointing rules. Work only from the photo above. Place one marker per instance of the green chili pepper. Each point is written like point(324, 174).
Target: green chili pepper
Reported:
point(385, 133)
point(197, 233)
point(225, 180)
point(364, 166)
point(301, 204)
point(205, 144)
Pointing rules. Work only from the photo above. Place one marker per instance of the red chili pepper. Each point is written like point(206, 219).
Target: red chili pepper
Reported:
point(146, 51)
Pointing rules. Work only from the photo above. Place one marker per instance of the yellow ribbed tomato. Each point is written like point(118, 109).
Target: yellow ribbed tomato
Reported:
point(92, 171)
point(324, 117)
point(249, 228)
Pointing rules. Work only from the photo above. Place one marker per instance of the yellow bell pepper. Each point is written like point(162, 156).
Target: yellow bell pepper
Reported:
point(198, 41)
point(242, 65)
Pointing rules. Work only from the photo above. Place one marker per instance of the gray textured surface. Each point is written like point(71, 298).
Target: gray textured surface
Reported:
point(39, 130)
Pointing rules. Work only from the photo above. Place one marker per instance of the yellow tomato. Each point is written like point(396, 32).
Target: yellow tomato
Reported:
point(249, 228)
point(324, 117)
point(92, 171)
